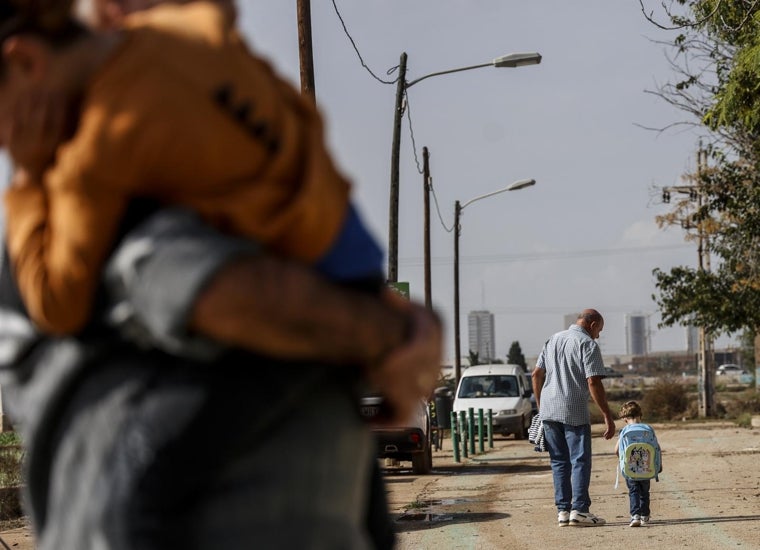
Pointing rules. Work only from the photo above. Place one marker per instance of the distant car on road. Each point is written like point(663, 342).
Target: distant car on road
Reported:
point(502, 388)
point(409, 441)
point(730, 369)
point(609, 372)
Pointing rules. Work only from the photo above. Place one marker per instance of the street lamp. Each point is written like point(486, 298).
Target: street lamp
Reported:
point(512, 60)
point(520, 184)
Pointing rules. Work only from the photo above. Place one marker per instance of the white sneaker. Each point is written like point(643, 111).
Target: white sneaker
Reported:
point(635, 521)
point(584, 519)
point(563, 518)
point(644, 520)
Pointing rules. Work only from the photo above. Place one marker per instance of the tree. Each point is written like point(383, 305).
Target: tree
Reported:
point(474, 358)
point(717, 61)
point(515, 356)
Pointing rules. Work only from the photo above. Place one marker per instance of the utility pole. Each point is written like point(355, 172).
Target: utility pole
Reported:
point(457, 350)
point(706, 370)
point(395, 155)
point(705, 355)
point(305, 51)
point(426, 182)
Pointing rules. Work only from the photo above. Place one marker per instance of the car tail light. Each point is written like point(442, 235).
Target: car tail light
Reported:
point(415, 438)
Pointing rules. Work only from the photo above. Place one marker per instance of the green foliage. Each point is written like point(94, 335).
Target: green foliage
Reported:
point(515, 355)
point(474, 358)
point(9, 438)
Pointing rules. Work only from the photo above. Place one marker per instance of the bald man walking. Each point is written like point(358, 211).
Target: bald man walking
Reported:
point(568, 370)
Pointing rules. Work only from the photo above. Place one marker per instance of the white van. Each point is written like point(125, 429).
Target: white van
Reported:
point(502, 388)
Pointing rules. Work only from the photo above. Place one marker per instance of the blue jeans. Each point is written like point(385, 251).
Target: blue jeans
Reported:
point(638, 496)
point(570, 453)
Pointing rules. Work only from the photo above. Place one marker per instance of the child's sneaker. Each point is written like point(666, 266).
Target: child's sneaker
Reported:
point(635, 521)
point(644, 520)
point(563, 518)
point(584, 519)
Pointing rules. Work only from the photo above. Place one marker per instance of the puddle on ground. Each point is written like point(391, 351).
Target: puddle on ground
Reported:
point(425, 517)
point(447, 501)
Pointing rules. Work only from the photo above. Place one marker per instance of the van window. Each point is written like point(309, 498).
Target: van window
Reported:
point(489, 385)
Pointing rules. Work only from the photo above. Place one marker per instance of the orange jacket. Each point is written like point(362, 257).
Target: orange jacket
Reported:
point(185, 114)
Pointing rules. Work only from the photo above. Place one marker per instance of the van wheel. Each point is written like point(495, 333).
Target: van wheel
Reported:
point(525, 428)
point(522, 432)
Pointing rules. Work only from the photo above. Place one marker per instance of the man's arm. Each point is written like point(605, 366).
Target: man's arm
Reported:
point(177, 277)
point(537, 379)
point(285, 310)
point(600, 398)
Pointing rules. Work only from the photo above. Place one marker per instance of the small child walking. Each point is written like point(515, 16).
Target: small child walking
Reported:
point(640, 460)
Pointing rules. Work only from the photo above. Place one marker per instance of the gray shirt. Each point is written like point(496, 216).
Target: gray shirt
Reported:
point(569, 358)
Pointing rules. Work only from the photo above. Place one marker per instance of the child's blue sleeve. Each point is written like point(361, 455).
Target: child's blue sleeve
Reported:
point(354, 255)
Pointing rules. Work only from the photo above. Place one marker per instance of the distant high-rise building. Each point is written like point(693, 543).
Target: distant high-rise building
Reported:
point(692, 339)
point(482, 334)
point(636, 334)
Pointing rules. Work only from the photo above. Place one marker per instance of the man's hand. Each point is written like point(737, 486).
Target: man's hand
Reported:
point(37, 128)
point(411, 372)
point(609, 425)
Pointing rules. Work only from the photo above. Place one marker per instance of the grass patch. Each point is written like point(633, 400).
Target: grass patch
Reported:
point(11, 458)
point(9, 438)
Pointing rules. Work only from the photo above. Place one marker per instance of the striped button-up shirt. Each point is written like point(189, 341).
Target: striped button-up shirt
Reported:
point(569, 358)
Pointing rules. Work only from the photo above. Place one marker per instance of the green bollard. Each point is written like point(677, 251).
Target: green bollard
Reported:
point(463, 431)
point(490, 428)
point(454, 436)
point(481, 449)
point(471, 429)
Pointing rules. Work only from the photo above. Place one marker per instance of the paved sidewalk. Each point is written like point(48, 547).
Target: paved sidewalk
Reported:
point(708, 497)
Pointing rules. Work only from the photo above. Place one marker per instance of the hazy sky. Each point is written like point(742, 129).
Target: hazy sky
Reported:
point(584, 236)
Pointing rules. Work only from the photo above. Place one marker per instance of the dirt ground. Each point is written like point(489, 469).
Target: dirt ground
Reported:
point(708, 497)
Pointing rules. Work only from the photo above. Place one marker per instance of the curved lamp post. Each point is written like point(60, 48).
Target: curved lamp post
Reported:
point(512, 60)
point(520, 184)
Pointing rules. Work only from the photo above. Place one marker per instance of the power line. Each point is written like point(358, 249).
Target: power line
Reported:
point(359, 55)
point(411, 130)
point(555, 309)
point(438, 209)
point(535, 256)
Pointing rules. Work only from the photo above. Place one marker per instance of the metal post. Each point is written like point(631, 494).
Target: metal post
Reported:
point(426, 235)
point(457, 352)
point(471, 429)
point(395, 153)
point(490, 428)
point(481, 448)
point(454, 436)
point(463, 430)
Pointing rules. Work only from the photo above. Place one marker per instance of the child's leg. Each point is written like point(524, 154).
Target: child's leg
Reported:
point(645, 485)
point(634, 497)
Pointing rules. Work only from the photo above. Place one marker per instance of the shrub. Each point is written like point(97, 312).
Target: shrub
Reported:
point(746, 403)
point(666, 400)
point(11, 457)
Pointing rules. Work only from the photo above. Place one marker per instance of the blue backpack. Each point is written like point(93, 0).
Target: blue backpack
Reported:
point(639, 453)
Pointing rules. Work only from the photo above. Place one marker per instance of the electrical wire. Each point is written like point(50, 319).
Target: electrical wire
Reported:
point(438, 209)
point(557, 255)
point(411, 131)
point(359, 55)
point(388, 72)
